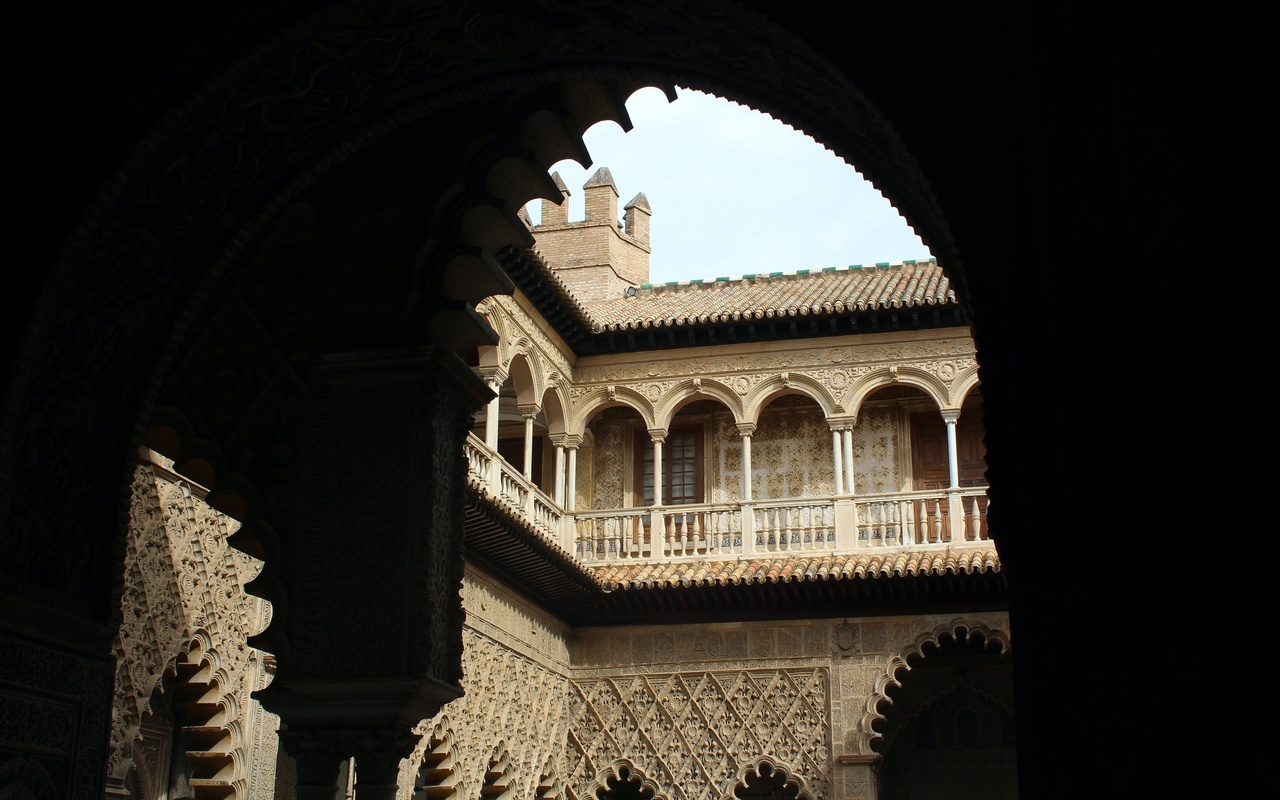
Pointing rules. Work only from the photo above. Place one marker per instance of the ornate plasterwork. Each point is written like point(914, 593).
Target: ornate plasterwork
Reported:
point(184, 601)
point(690, 732)
point(493, 612)
point(513, 324)
point(510, 699)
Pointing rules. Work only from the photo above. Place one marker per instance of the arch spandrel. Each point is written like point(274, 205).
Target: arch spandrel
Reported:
point(965, 384)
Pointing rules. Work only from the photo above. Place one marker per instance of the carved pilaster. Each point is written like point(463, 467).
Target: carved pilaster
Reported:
point(375, 626)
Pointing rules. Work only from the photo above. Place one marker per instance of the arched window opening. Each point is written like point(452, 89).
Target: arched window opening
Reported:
point(948, 731)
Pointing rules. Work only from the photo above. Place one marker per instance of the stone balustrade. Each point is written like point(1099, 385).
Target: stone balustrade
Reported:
point(916, 519)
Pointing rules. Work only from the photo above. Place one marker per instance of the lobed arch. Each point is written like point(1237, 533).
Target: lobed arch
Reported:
point(591, 404)
point(955, 629)
point(765, 767)
point(879, 378)
point(620, 772)
point(776, 386)
point(499, 775)
point(691, 390)
point(439, 773)
point(550, 785)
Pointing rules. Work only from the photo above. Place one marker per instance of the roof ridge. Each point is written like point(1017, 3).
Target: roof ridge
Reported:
point(796, 273)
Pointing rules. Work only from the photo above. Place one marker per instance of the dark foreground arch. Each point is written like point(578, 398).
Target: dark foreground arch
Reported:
point(193, 205)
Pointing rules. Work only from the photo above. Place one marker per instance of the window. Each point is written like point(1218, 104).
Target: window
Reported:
point(681, 466)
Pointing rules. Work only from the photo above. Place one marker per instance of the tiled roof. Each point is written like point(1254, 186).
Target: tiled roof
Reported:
point(811, 567)
point(834, 290)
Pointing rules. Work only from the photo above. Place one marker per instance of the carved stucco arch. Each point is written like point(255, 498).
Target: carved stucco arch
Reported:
point(692, 389)
point(550, 785)
point(601, 398)
point(776, 386)
point(614, 772)
point(907, 375)
point(775, 766)
point(862, 738)
point(499, 774)
point(438, 769)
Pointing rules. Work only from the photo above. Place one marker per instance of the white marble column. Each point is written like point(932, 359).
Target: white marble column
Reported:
point(846, 436)
point(953, 462)
point(571, 443)
point(837, 454)
point(746, 429)
point(659, 436)
point(559, 483)
point(491, 414)
point(528, 443)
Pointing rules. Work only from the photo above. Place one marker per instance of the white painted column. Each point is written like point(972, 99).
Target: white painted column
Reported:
point(528, 444)
point(559, 484)
point(953, 459)
point(839, 460)
point(746, 429)
point(491, 415)
point(658, 437)
point(571, 443)
point(846, 436)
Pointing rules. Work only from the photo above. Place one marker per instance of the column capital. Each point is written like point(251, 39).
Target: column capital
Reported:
point(950, 417)
point(559, 439)
point(746, 428)
point(842, 423)
point(492, 375)
point(529, 410)
point(572, 441)
point(658, 434)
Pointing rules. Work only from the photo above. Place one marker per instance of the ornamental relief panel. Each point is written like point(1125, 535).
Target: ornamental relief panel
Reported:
point(942, 357)
point(183, 580)
point(877, 450)
point(509, 699)
point(690, 731)
point(496, 614)
point(611, 463)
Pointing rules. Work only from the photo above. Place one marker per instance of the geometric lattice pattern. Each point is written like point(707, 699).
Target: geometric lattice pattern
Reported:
point(690, 732)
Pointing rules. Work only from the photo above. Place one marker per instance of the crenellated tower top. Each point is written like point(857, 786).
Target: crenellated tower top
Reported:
point(598, 257)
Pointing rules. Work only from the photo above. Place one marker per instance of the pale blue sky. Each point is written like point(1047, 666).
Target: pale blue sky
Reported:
point(736, 192)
